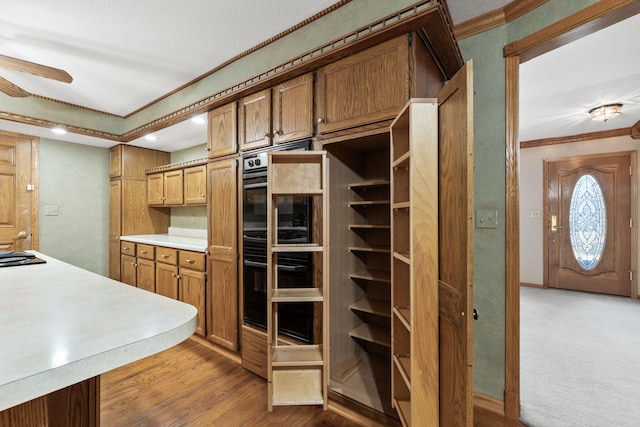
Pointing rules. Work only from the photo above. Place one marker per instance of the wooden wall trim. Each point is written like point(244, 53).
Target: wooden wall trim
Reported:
point(512, 249)
point(580, 24)
point(590, 136)
point(496, 18)
point(635, 131)
point(489, 412)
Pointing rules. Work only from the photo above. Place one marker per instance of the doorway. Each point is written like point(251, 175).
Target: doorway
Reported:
point(585, 22)
point(588, 208)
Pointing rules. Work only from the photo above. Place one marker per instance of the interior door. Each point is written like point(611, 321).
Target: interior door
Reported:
point(588, 223)
point(455, 293)
point(16, 189)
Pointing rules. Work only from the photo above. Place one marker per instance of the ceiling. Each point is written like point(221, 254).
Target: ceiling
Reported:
point(125, 54)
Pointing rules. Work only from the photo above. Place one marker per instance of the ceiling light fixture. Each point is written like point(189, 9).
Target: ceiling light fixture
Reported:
point(605, 112)
point(151, 138)
point(58, 130)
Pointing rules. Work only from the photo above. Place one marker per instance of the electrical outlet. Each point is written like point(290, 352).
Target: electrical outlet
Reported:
point(486, 219)
point(51, 210)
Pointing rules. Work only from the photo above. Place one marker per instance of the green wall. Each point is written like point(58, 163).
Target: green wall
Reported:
point(189, 216)
point(75, 178)
point(486, 50)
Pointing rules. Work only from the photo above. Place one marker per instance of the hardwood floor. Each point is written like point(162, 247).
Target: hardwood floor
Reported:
point(193, 385)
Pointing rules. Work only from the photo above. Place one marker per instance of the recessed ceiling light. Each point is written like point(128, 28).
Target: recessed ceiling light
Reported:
point(200, 120)
point(58, 130)
point(151, 138)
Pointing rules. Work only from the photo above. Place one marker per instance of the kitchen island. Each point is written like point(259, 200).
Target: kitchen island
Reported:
point(62, 326)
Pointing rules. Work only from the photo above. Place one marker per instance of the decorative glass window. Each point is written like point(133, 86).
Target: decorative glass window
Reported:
point(587, 222)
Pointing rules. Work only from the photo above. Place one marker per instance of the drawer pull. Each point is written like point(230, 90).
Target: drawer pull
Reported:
point(165, 256)
point(125, 248)
point(191, 261)
point(143, 252)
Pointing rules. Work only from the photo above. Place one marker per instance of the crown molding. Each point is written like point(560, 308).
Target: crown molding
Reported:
point(635, 131)
point(578, 138)
point(496, 18)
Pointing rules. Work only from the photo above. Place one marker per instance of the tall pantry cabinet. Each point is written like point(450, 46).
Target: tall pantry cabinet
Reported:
point(128, 210)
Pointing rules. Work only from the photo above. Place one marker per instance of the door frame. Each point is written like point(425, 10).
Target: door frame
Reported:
point(580, 24)
point(633, 191)
point(35, 181)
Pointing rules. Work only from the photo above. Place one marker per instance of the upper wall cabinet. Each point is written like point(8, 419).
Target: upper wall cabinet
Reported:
point(277, 115)
point(223, 123)
point(129, 162)
point(293, 109)
point(177, 185)
point(368, 87)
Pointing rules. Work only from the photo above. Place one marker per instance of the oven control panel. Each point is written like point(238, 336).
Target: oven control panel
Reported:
point(256, 161)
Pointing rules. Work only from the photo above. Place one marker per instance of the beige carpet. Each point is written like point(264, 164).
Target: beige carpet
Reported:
point(579, 355)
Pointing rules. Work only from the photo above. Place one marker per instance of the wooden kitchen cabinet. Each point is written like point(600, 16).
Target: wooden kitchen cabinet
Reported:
point(167, 280)
point(165, 188)
point(255, 120)
point(277, 115)
point(146, 274)
point(372, 86)
point(195, 186)
point(223, 131)
point(128, 270)
point(192, 291)
point(222, 295)
point(293, 109)
point(128, 210)
point(129, 162)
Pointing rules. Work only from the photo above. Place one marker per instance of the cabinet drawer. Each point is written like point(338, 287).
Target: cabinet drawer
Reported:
point(128, 248)
point(193, 260)
point(167, 255)
point(146, 251)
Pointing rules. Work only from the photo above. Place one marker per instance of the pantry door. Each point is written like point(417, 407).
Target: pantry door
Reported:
point(18, 197)
point(589, 223)
point(455, 252)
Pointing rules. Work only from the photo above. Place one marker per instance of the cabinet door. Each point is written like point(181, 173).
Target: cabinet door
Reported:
point(146, 275)
point(128, 270)
point(222, 317)
point(167, 280)
point(223, 137)
point(155, 189)
point(368, 87)
point(292, 109)
point(255, 120)
point(195, 185)
point(192, 291)
point(115, 162)
point(173, 187)
point(115, 202)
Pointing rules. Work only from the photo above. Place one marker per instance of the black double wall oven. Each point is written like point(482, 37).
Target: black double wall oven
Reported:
point(295, 270)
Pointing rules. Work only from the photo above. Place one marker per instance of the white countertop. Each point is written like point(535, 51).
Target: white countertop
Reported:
point(60, 325)
point(168, 240)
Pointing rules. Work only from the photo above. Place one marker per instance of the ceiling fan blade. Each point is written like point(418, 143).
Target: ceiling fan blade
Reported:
point(36, 69)
point(12, 90)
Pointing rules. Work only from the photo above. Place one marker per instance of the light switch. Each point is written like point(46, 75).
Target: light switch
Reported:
point(486, 219)
point(51, 210)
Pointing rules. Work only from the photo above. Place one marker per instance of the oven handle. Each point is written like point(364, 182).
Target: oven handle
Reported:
point(258, 185)
point(291, 268)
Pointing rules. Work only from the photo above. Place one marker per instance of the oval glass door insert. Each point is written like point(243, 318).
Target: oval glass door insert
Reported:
point(587, 222)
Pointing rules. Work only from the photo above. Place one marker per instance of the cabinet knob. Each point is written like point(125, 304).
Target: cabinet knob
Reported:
point(203, 196)
point(143, 252)
point(266, 134)
point(320, 120)
point(165, 256)
point(277, 132)
point(125, 248)
point(191, 261)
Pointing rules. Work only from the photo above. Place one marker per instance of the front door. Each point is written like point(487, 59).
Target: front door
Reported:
point(588, 221)
point(16, 189)
point(455, 217)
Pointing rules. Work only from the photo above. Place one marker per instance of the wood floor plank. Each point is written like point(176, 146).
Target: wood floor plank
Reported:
point(193, 385)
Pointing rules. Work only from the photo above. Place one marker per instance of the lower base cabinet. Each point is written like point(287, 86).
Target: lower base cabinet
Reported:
point(174, 273)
